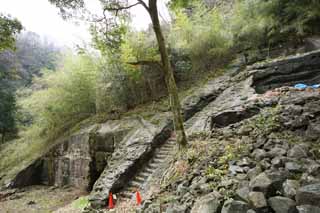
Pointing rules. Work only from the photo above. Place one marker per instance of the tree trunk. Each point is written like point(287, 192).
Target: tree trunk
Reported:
point(170, 81)
point(3, 133)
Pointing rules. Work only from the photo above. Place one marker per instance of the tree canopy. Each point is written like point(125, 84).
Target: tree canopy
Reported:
point(9, 28)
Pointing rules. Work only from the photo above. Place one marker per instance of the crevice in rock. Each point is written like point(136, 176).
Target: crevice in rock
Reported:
point(29, 176)
point(231, 117)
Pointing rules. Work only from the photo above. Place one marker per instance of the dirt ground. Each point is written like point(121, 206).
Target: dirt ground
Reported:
point(41, 199)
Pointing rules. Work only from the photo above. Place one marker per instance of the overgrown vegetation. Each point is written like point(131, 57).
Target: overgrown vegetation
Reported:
point(68, 96)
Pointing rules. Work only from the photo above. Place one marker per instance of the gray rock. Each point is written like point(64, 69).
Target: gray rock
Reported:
point(290, 188)
point(207, 204)
point(175, 208)
point(259, 154)
point(181, 190)
point(268, 182)
point(234, 206)
point(308, 209)
point(235, 169)
point(277, 162)
point(244, 162)
point(243, 193)
point(276, 152)
point(265, 164)
point(293, 167)
point(251, 211)
point(254, 172)
point(298, 151)
point(309, 195)
point(257, 200)
point(282, 204)
point(307, 179)
point(314, 169)
point(261, 140)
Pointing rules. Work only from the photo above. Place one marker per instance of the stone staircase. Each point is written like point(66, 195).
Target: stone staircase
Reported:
point(141, 178)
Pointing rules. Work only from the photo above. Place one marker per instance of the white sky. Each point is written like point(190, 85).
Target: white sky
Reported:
point(41, 17)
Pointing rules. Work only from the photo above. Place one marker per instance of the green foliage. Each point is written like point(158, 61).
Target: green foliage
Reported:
point(178, 4)
point(204, 37)
point(264, 124)
point(7, 109)
point(68, 96)
point(9, 28)
point(249, 25)
point(81, 203)
point(258, 24)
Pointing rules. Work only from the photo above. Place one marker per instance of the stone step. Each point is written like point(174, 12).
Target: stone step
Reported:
point(135, 184)
point(167, 149)
point(161, 155)
point(144, 174)
point(153, 166)
point(127, 194)
point(158, 160)
point(171, 144)
point(139, 179)
point(132, 189)
point(149, 170)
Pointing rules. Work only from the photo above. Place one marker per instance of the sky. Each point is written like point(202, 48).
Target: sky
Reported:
point(41, 17)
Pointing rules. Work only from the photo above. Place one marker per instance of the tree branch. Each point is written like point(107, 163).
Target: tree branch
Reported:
point(149, 63)
point(121, 8)
point(144, 4)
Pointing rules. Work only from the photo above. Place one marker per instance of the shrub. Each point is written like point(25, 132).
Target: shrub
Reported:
point(204, 36)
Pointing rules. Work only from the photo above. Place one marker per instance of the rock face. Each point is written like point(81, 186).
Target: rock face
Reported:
point(79, 159)
point(293, 70)
point(127, 160)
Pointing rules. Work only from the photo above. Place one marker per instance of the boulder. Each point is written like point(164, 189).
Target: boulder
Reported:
point(308, 209)
point(309, 195)
point(268, 182)
point(257, 200)
point(207, 204)
point(235, 206)
point(293, 167)
point(243, 193)
point(282, 204)
point(298, 151)
point(290, 188)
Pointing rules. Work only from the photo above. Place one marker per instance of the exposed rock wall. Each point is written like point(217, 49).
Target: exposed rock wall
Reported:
point(139, 146)
point(287, 72)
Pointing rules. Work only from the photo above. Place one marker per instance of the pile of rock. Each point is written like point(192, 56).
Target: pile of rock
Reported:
point(279, 173)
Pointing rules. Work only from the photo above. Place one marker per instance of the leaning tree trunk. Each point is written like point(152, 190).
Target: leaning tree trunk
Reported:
point(3, 136)
point(170, 81)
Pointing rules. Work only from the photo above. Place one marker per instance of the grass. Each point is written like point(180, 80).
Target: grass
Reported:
point(80, 203)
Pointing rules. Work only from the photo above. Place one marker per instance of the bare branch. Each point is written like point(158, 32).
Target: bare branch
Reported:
point(121, 8)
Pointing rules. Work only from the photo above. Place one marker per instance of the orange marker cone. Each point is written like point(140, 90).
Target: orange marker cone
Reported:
point(111, 206)
point(138, 196)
